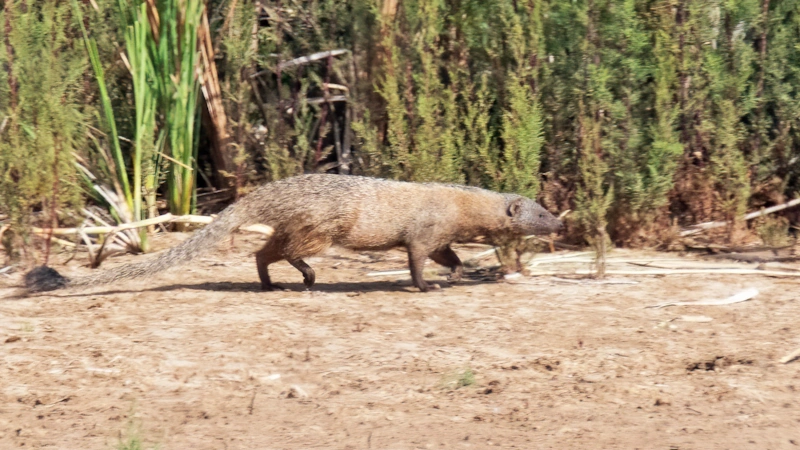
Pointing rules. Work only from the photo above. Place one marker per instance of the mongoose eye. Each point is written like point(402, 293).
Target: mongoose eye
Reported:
point(541, 216)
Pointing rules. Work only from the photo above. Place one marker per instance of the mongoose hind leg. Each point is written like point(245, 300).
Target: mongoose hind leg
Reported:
point(266, 256)
point(447, 257)
point(309, 277)
point(416, 262)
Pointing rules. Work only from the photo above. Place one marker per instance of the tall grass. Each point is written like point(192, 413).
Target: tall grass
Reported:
point(162, 44)
point(177, 61)
point(42, 119)
point(161, 53)
point(120, 211)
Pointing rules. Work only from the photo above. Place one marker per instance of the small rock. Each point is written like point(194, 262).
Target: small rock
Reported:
point(697, 319)
point(593, 378)
point(296, 392)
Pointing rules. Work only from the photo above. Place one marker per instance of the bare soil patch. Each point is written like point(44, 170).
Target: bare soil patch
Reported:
point(200, 358)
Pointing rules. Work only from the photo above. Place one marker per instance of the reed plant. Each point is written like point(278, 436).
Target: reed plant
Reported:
point(161, 54)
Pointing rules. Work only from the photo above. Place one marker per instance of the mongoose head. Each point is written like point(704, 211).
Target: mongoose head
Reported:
point(529, 217)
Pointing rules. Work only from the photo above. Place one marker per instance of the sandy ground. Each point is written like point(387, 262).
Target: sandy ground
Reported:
point(199, 358)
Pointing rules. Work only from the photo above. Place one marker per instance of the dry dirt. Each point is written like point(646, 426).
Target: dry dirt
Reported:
point(199, 358)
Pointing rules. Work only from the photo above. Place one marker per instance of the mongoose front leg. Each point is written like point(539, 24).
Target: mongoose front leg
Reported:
point(416, 262)
point(309, 277)
point(447, 257)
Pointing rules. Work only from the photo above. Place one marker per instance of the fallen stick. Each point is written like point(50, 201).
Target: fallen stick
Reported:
point(257, 228)
point(773, 273)
point(591, 281)
point(389, 273)
point(738, 298)
point(481, 255)
point(688, 265)
point(64, 243)
point(755, 258)
point(532, 262)
point(694, 229)
point(791, 356)
point(125, 226)
point(714, 248)
point(492, 250)
point(643, 262)
point(536, 261)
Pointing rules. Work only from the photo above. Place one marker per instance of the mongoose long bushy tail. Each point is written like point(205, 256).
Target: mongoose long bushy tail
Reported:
point(44, 278)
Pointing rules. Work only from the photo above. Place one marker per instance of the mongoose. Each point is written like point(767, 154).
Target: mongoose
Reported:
point(313, 212)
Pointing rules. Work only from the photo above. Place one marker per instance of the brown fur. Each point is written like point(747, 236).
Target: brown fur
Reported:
point(313, 212)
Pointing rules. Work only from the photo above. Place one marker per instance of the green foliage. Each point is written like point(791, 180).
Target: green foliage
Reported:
point(631, 112)
point(522, 138)
point(122, 210)
point(134, 436)
point(370, 157)
point(773, 231)
point(144, 163)
point(177, 66)
point(239, 44)
point(42, 120)
point(457, 379)
point(163, 63)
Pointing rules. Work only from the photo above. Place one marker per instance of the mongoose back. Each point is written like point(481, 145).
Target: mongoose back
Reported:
point(310, 213)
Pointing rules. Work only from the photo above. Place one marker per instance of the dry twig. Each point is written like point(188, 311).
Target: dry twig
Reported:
point(257, 228)
point(694, 229)
point(791, 356)
point(738, 298)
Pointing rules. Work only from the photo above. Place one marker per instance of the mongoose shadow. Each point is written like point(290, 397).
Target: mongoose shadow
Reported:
point(310, 213)
point(235, 286)
point(225, 286)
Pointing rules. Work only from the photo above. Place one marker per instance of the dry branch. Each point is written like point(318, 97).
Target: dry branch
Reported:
point(257, 228)
point(771, 273)
point(755, 258)
point(389, 273)
point(536, 261)
point(311, 58)
point(303, 60)
point(331, 99)
point(791, 356)
point(737, 298)
point(340, 87)
point(694, 229)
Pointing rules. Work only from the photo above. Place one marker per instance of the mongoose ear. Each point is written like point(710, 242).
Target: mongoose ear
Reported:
point(514, 207)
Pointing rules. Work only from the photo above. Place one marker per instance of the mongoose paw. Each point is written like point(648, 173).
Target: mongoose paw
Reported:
point(431, 287)
point(454, 277)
